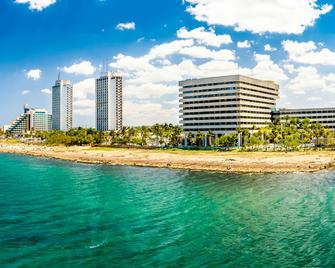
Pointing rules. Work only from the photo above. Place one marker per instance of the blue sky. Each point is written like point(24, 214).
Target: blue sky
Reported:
point(154, 44)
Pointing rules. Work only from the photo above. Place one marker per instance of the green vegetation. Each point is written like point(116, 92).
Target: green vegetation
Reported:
point(289, 134)
point(166, 135)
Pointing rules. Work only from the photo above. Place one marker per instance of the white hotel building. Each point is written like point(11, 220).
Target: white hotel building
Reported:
point(32, 119)
point(62, 98)
point(227, 103)
point(108, 89)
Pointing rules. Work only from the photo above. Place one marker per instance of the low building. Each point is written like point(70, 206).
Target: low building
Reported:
point(324, 116)
point(31, 120)
point(227, 103)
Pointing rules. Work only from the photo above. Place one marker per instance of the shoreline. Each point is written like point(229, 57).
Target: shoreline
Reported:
point(228, 162)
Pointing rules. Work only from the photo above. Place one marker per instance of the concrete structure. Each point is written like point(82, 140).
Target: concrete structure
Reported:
point(31, 120)
point(108, 90)
point(62, 95)
point(324, 116)
point(227, 103)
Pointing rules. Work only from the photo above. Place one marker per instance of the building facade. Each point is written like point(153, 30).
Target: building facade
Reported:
point(62, 95)
point(324, 116)
point(31, 120)
point(108, 89)
point(227, 103)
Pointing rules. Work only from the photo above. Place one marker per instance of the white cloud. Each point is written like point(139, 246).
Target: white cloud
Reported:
point(126, 26)
point(308, 79)
point(265, 69)
point(46, 91)
point(244, 44)
point(147, 113)
point(25, 92)
point(84, 103)
point(314, 99)
point(152, 79)
point(268, 47)
point(38, 5)
point(290, 68)
point(205, 53)
point(308, 53)
point(259, 16)
point(82, 68)
point(34, 74)
point(149, 91)
point(203, 37)
point(167, 49)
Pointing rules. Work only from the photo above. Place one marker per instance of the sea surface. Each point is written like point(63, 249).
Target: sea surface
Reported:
point(62, 214)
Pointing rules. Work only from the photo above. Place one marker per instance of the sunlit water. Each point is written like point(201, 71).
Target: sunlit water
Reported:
point(55, 213)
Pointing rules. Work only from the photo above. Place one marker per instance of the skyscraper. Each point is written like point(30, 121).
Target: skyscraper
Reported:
point(108, 102)
point(62, 93)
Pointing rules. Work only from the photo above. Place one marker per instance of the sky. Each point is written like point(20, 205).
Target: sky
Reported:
point(154, 44)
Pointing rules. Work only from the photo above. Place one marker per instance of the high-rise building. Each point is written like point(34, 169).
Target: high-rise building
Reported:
point(108, 89)
point(227, 103)
point(62, 93)
point(31, 120)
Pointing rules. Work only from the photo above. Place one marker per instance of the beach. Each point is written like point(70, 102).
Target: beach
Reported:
point(255, 162)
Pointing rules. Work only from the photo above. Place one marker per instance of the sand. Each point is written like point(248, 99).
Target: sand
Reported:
point(250, 162)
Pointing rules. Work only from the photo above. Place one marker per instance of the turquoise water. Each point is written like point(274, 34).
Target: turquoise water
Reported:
point(55, 213)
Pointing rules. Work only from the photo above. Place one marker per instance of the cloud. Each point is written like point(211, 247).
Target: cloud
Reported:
point(265, 69)
point(244, 44)
point(198, 52)
point(25, 92)
point(84, 97)
point(34, 74)
point(308, 53)
point(203, 37)
point(82, 68)
point(312, 99)
point(151, 84)
point(38, 5)
point(269, 48)
point(259, 16)
point(149, 91)
point(126, 26)
point(46, 91)
point(308, 79)
point(146, 113)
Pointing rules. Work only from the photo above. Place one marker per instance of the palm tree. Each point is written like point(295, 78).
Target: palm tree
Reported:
point(190, 137)
point(200, 138)
point(210, 135)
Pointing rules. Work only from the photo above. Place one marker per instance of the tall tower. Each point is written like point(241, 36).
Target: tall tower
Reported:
point(62, 94)
point(108, 89)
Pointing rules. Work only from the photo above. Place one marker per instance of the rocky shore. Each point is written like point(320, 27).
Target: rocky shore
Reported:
point(254, 162)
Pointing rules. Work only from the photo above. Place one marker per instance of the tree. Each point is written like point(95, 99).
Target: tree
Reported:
point(191, 139)
point(200, 138)
point(211, 137)
point(227, 140)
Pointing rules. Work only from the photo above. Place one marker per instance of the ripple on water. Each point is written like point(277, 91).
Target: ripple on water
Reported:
point(54, 212)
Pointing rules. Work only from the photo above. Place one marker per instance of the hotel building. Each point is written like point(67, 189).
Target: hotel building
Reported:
point(324, 116)
point(227, 103)
point(31, 120)
point(62, 94)
point(108, 89)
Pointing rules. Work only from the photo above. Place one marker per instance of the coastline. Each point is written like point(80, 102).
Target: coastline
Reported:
point(235, 162)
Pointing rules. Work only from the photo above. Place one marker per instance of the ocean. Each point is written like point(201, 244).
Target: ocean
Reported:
point(56, 213)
